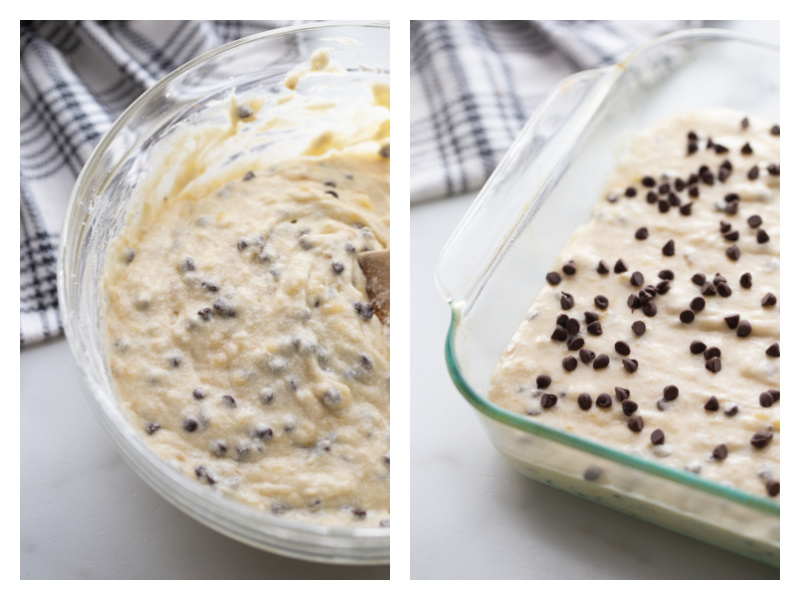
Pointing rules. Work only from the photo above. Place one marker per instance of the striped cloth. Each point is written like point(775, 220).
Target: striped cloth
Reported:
point(475, 83)
point(76, 77)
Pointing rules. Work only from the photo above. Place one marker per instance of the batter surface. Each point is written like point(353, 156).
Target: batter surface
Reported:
point(244, 345)
point(658, 332)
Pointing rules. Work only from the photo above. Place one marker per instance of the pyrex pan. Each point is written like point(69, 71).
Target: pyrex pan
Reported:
point(100, 201)
point(494, 264)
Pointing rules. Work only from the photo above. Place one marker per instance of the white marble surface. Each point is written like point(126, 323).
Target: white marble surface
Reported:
point(84, 514)
point(473, 516)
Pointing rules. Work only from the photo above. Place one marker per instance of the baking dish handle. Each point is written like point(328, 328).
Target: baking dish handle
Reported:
point(534, 159)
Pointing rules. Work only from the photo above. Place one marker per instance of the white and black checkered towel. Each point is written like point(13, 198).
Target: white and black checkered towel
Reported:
point(76, 77)
point(475, 83)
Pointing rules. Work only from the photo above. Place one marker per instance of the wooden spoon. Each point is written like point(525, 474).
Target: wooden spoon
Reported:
point(375, 265)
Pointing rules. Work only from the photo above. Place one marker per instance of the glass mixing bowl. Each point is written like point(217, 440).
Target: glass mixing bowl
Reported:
point(546, 186)
point(104, 196)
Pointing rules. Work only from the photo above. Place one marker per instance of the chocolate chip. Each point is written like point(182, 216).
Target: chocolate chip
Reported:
point(622, 393)
point(744, 329)
point(553, 278)
point(630, 191)
point(586, 355)
point(687, 316)
point(648, 181)
point(199, 393)
point(774, 350)
point(337, 267)
point(663, 206)
point(604, 400)
point(567, 301)
point(733, 252)
point(712, 404)
point(543, 381)
point(637, 279)
point(649, 309)
point(692, 136)
point(745, 123)
point(263, 432)
point(151, 428)
point(694, 191)
point(595, 328)
point(657, 437)
point(602, 267)
point(584, 401)
point(209, 286)
point(548, 400)
point(205, 314)
point(188, 264)
point(753, 173)
point(776, 130)
point(641, 233)
point(760, 439)
point(720, 452)
point(219, 448)
point(714, 365)
point(732, 321)
point(570, 363)
point(629, 407)
point(572, 326)
point(367, 310)
point(720, 149)
point(686, 209)
point(559, 333)
point(630, 364)
point(731, 236)
point(671, 392)
point(766, 400)
point(634, 302)
point(773, 487)
point(747, 149)
point(669, 248)
point(762, 237)
point(754, 221)
point(591, 316)
point(651, 197)
point(746, 281)
point(601, 362)
point(569, 268)
point(562, 320)
point(623, 348)
point(636, 424)
point(620, 266)
point(639, 327)
point(698, 304)
point(190, 424)
point(712, 352)
point(224, 308)
point(664, 188)
point(693, 178)
point(575, 344)
point(776, 394)
point(697, 347)
point(732, 411)
point(601, 302)
point(724, 290)
point(732, 208)
point(229, 401)
point(769, 300)
point(774, 169)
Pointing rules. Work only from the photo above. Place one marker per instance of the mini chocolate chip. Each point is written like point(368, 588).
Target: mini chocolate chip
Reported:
point(774, 350)
point(747, 149)
point(769, 300)
point(687, 316)
point(591, 316)
point(548, 400)
point(731, 236)
point(746, 281)
point(651, 197)
point(744, 329)
point(572, 326)
point(562, 320)
point(664, 188)
point(680, 184)
point(639, 327)
point(714, 365)
point(657, 437)
point(584, 401)
point(694, 191)
point(553, 278)
point(620, 266)
point(637, 279)
point(575, 344)
point(229, 401)
point(720, 149)
point(693, 178)
point(586, 355)
point(712, 352)
point(697, 347)
point(151, 428)
point(601, 362)
point(698, 304)
point(732, 411)
point(198, 393)
point(570, 363)
point(774, 169)
point(776, 130)
point(630, 191)
point(630, 364)
point(602, 267)
point(543, 381)
point(641, 233)
point(367, 310)
point(732, 321)
point(673, 199)
point(733, 252)
point(263, 433)
point(671, 392)
point(559, 333)
point(762, 237)
point(634, 302)
point(205, 314)
point(753, 173)
point(601, 302)
point(188, 264)
point(666, 274)
point(760, 439)
point(649, 309)
point(224, 308)
point(720, 452)
point(718, 278)
point(766, 400)
point(686, 209)
point(604, 400)
point(190, 424)
point(776, 394)
point(707, 178)
point(724, 290)
point(712, 404)
point(622, 393)
point(337, 267)
point(663, 206)
point(567, 301)
point(773, 487)
point(623, 348)
point(648, 181)
point(219, 448)
point(669, 248)
point(569, 268)
point(636, 424)
point(732, 208)
point(698, 279)
point(595, 328)
point(754, 221)
point(629, 407)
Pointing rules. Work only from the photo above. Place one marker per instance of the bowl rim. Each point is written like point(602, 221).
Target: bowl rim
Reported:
point(105, 402)
point(521, 423)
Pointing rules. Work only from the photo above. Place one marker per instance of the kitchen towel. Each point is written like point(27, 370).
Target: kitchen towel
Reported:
point(76, 78)
point(475, 83)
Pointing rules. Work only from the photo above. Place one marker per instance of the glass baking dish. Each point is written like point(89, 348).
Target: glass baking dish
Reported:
point(494, 264)
point(107, 191)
